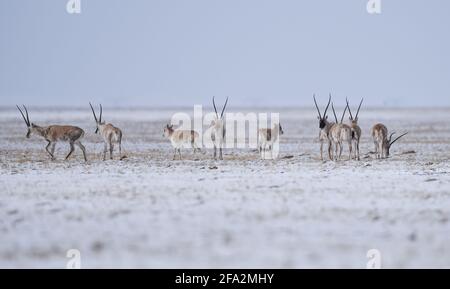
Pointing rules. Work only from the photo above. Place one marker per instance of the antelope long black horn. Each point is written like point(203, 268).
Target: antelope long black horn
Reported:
point(223, 109)
point(390, 137)
point(26, 112)
point(315, 102)
point(357, 112)
point(215, 109)
point(328, 105)
point(26, 122)
point(392, 142)
point(101, 112)
point(343, 114)
point(349, 110)
point(334, 112)
point(93, 112)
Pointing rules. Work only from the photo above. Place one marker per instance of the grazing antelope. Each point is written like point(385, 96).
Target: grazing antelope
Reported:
point(356, 130)
point(179, 138)
point(55, 133)
point(324, 126)
point(218, 130)
point(109, 133)
point(340, 133)
point(381, 140)
point(267, 136)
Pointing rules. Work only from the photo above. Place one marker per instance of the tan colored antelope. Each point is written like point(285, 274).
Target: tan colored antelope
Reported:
point(356, 130)
point(267, 137)
point(340, 133)
point(109, 133)
point(55, 133)
point(324, 126)
point(218, 130)
point(381, 140)
point(180, 138)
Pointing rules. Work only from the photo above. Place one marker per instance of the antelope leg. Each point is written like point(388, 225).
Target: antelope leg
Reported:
point(105, 149)
point(321, 151)
point(50, 145)
point(83, 149)
point(111, 149)
point(72, 148)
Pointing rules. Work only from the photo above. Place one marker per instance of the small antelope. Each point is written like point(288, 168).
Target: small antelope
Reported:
point(324, 126)
point(109, 133)
point(356, 130)
point(218, 130)
point(340, 133)
point(267, 136)
point(381, 140)
point(179, 138)
point(55, 133)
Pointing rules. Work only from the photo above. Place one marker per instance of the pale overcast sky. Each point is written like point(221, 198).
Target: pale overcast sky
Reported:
point(258, 52)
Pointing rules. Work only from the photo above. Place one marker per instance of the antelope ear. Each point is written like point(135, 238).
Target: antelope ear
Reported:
point(33, 125)
point(326, 117)
point(318, 117)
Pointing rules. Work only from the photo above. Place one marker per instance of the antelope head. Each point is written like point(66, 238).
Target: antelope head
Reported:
point(277, 129)
point(31, 127)
point(98, 121)
point(389, 142)
point(218, 119)
point(355, 119)
point(322, 118)
point(168, 130)
point(281, 132)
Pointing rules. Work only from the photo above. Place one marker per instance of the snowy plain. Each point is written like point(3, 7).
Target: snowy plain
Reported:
point(147, 211)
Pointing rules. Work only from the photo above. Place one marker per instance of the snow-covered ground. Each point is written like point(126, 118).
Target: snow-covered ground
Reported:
point(149, 211)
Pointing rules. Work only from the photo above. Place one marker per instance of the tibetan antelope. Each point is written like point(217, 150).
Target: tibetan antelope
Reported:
point(109, 133)
point(218, 130)
point(340, 133)
point(267, 137)
point(381, 140)
point(324, 126)
point(356, 130)
point(55, 133)
point(180, 138)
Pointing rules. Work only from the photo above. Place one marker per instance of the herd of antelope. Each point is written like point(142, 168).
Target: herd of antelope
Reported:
point(334, 134)
point(337, 133)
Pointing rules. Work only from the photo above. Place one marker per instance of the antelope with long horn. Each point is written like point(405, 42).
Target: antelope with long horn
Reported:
point(218, 130)
point(356, 130)
point(55, 133)
point(110, 134)
point(180, 138)
point(381, 140)
point(340, 133)
point(324, 126)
